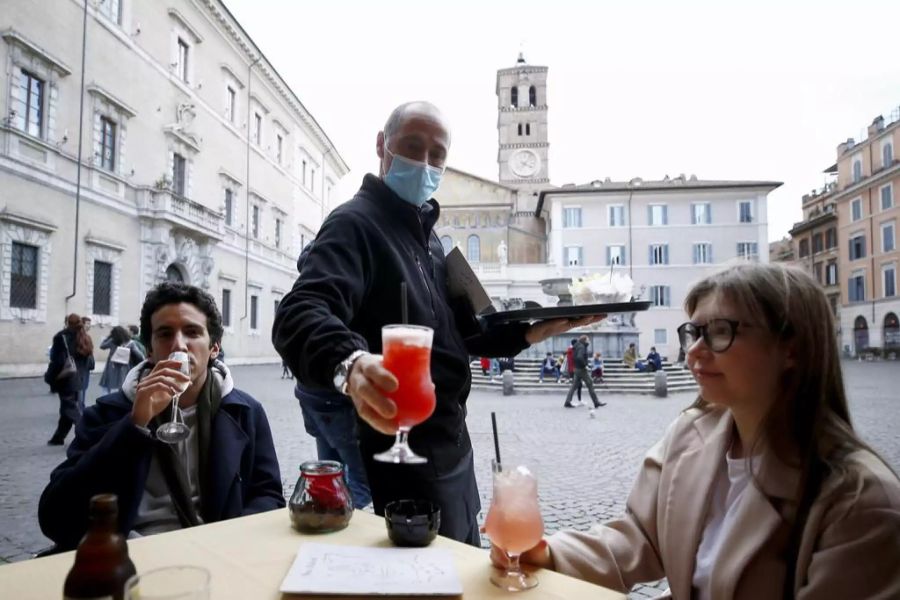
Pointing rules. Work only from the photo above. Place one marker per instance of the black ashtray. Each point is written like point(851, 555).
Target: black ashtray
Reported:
point(412, 522)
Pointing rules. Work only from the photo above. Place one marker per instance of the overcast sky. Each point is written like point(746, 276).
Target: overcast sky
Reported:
point(723, 90)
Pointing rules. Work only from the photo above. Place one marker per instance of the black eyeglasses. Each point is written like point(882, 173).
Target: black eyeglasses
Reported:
point(718, 334)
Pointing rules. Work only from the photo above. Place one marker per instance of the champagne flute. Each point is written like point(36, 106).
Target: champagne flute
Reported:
point(175, 430)
point(514, 523)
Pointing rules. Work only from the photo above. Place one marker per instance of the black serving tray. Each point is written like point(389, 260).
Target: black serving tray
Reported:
point(563, 312)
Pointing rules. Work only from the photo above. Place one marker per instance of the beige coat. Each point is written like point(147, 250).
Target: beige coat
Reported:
point(850, 547)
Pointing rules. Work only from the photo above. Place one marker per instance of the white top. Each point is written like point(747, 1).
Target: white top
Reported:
point(730, 485)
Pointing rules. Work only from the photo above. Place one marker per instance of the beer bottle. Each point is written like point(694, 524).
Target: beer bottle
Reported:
point(101, 564)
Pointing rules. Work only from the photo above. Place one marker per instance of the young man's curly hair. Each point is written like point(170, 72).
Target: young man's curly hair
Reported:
point(169, 292)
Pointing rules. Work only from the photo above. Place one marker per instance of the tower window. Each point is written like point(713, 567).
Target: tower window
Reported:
point(514, 96)
point(520, 129)
point(527, 128)
point(532, 96)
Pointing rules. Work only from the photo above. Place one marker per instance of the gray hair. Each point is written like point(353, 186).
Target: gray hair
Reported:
point(402, 112)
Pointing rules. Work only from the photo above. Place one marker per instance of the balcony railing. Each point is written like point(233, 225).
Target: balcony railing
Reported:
point(164, 204)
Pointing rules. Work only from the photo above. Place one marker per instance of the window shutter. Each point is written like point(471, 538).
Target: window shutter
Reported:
point(650, 253)
point(624, 258)
point(665, 211)
point(666, 254)
point(708, 214)
point(709, 253)
point(650, 215)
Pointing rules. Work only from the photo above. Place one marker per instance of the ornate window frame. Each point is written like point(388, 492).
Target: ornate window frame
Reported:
point(26, 230)
point(109, 252)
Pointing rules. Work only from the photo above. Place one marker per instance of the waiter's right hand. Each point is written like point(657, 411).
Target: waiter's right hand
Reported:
point(367, 383)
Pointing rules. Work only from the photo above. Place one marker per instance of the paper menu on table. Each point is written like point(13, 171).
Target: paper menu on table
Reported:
point(355, 570)
point(462, 281)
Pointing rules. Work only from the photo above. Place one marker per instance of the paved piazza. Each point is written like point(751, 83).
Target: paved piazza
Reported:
point(585, 466)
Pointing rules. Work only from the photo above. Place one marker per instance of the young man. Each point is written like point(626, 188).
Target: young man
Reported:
point(226, 468)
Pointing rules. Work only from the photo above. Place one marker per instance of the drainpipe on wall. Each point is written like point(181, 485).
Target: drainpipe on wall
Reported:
point(872, 237)
point(247, 195)
point(78, 171)
point(630, 239)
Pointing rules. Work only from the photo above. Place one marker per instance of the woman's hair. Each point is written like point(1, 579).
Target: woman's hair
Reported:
point(811, 419)
point(120, 336)
point(84, 345)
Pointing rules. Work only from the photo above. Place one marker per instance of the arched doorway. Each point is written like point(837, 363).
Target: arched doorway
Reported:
point(860, 334)
point(891, 331)
point(174, 274)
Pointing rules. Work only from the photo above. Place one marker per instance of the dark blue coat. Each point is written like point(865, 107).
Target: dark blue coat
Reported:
point(111, 455)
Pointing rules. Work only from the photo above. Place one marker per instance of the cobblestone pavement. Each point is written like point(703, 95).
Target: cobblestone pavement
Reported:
point(585, 466)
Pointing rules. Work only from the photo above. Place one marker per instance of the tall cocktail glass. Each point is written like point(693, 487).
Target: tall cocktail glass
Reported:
point(407, 354)
point(514, 523)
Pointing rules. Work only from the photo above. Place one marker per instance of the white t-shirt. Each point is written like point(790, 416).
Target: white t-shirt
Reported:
point(730, 485)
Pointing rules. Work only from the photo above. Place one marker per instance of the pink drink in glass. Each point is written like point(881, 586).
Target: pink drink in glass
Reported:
point(514, 520)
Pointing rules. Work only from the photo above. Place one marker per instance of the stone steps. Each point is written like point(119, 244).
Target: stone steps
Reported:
point(617, 379)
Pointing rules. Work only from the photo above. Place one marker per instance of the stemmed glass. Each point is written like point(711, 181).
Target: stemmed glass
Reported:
point(175, 430)
point(514, 524)
point(407, 354)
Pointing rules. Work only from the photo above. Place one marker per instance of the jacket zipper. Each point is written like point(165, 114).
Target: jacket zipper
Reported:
point(427, 287)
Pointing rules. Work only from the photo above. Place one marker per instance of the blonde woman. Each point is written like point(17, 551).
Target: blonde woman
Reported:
point(761, 489)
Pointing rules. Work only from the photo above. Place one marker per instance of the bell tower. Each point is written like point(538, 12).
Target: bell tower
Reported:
point(522, 125)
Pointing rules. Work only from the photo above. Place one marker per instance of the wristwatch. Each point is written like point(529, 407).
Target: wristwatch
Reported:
point(342, 371)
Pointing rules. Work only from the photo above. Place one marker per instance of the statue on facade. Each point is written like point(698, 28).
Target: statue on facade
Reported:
point(501, 252)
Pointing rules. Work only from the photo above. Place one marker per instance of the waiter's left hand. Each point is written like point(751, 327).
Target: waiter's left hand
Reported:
point(542, 330)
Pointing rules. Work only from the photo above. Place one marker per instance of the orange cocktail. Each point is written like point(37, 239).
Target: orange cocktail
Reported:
point(407, 354)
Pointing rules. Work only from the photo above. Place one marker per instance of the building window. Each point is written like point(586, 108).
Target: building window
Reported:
point(659, 254)
point(888, 281)
point(857, 170)
point(831, 238)
point(312, 181)
point(179, 170)
point(658, 214)
point(857, 247)
point(615, 255)
point(226, 308)
point(574, 256)
point(107, 145)
point(887, 197)
point(887, 155)
point(745, 211)
point(519, 128)
point(254, 312)
point(182, 64)
point(112, 10)
point(232, 103)
point(257, 129)
point(514, 96)
point(887, 237)
point(255, 221)
point(701, 213)
point(703, 253)
point(532, 96)
point(103, 275)
point(747, 250)
point(474, 249)
point(616, 214)
point(817, 243)
point(817, 270)
point(660, 336)
point(804, 248)
point(275, 305)
point(30, 110)
point(229, 207)
point(279, 146)
point(278, 233)
point(304, 172)
point(572, 217)
point(831, 273)
point(527, 128)
point(857, 288)
point(23, 276)
point(660, 295)
point(446, 244)
point(856, 209)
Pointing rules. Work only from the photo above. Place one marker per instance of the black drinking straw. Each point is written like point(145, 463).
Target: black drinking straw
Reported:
point(496, 439)
point(404, 314)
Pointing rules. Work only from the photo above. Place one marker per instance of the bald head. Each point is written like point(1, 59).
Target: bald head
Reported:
point(417, 131)
point(418, 109)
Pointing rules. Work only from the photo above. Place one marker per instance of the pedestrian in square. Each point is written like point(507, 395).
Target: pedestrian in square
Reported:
point(75, 345)
point(580, 361)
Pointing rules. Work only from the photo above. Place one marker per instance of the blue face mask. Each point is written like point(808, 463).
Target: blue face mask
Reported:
point(412, 180)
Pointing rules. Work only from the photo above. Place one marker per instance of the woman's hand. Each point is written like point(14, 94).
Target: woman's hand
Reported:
point(539, 556)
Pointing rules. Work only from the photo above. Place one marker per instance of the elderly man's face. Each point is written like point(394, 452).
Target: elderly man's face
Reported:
point(422, 138)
